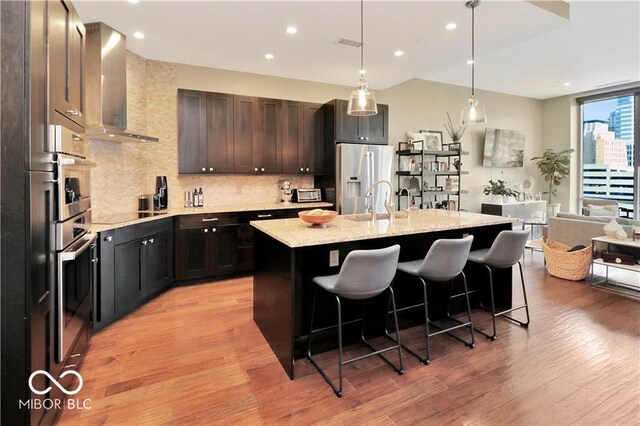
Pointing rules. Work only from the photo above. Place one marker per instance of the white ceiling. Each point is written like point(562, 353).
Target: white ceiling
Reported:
point(520, 49)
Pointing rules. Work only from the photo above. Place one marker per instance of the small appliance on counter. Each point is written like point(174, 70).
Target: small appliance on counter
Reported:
point(285, 192)
point(307, 195)
point(161, 197)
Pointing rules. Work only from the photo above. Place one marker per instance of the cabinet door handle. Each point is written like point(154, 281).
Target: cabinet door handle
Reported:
point(144, 243)
point(151, 241)
point(53, 181)
point(206, 230)
point(255, 170)
point(74, 355)
point(204, 169)
point(213, 229)
point(265, 215)
point(262, 169)
point(307, 169)
point(94, 260)
point(210, 169)
point(70, 366)
point(108, 238)
point(74, 112)
point(213, 219)
point(367, 138)
point(302, 169)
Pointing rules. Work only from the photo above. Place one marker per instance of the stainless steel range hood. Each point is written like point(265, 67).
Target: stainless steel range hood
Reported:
point(106, 86)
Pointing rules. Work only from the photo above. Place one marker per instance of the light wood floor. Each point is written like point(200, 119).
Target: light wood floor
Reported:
point(194, 356)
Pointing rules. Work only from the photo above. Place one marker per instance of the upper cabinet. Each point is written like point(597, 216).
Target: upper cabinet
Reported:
point(66, 64)
point(368, 130)
point(221, 133)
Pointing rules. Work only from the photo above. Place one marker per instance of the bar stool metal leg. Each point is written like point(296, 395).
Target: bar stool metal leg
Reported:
point(525, 306)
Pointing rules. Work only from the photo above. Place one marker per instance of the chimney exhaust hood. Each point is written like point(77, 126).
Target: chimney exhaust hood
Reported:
point(106, 86)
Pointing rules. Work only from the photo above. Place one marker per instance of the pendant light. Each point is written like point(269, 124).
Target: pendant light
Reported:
point(474, 113)
point(362, 102)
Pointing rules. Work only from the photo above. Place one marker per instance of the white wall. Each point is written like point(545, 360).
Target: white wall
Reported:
point(421, 104)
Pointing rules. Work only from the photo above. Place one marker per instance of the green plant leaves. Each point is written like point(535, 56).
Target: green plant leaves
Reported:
point(554, 166)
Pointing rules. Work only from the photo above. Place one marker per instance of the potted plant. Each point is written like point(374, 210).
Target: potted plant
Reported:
point(499, 191)
point(553, 166)
point(455, 133)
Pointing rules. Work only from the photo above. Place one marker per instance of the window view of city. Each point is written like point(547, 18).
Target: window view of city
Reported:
point(608, 152)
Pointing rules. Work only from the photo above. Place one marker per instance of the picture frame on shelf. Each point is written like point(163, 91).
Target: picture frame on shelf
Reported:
point(433, 140)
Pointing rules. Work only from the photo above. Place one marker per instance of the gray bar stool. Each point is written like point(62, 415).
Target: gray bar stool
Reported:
point(443, 263)
point(364, 275)
point(504, 253)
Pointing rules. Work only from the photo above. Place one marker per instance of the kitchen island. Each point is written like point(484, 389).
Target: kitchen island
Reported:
point(289, 253)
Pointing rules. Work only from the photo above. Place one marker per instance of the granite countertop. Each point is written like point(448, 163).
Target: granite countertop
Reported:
point(296, 233)
point(97, 226)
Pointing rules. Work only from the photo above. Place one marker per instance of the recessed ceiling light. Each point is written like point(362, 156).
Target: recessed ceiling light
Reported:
point(138, 35)
point(470, 61)
point(134, 1)
point(398, 53)
point(450, 26)
point(292, 30)
point(567, 84)
point(362, 72)
point(269, 56)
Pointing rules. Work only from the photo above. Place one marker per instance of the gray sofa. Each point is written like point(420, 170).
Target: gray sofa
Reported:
point(574, 229)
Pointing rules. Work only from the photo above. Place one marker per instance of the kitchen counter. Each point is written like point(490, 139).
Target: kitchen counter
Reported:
point(97, 226)
point(288, 254)
point(296, 233)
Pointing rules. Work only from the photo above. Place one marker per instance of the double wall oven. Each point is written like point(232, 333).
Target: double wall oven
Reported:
point(76, 249)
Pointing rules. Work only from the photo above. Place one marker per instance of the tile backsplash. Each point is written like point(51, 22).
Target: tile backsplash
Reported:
point(128, 170)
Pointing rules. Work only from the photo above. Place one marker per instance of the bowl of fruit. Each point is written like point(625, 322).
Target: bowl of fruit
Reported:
point(318, 217)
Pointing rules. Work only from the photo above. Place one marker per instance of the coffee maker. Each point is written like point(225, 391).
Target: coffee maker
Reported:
point(162, 194)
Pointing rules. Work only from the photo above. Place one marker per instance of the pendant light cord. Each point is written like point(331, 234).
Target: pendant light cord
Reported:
point(362, 36)
point(473, 49)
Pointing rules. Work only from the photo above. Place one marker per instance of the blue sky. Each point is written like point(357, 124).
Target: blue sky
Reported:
point(599, 110)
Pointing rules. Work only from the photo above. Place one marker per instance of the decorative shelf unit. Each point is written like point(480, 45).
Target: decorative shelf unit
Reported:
point(425, 195)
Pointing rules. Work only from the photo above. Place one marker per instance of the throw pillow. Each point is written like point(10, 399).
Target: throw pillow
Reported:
point(576, 248)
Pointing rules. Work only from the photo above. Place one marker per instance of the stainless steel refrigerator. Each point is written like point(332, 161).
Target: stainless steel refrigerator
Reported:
point(357, 167)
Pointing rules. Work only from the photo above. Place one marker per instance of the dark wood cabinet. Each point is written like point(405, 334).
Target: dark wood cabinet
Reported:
point(244, 122)
point(366, 130)
point(206, 246)
point(129, 285)
point(312, 152)
point(66, 64)
point(219, 133)
point(192, 132)
point(293, 136)
point(267, 137)
point(136, 262)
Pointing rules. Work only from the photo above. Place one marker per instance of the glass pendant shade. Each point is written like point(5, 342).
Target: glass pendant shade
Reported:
point(473, 114)
point(362, 101)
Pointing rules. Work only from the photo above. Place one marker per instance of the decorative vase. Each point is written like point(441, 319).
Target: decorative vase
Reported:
point(621, 234)
point(611, 228)
point(553, 209)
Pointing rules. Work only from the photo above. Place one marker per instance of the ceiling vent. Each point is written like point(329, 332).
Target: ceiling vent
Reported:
point(350, 43)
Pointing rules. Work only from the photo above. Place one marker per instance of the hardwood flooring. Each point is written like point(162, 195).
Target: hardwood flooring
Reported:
point(194, 356)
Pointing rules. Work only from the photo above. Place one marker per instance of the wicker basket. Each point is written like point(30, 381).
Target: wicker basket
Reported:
point(572, 265)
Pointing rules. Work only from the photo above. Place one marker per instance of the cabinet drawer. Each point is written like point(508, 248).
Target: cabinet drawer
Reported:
point(246, 217)
point(142, 230)
point(204, 220)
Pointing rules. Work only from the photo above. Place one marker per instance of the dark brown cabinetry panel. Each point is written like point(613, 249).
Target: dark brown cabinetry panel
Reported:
point(267, 142)
point(223, 133)
point(244, 122)
point(312, 152)
point(292, 141)
point(219, 133)
point(159, 253)
point(192, 131)
point(66, 64)
point(367, 130)
point(129, 285)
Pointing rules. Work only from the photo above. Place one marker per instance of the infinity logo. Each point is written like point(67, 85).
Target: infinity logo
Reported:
point(62, 388)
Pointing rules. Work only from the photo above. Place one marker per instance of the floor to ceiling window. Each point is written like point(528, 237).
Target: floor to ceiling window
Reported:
point(610, 150)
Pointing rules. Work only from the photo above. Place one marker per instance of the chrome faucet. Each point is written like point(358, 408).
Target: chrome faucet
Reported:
point(388, 204)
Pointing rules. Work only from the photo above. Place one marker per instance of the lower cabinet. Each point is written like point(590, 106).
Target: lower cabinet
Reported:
point(136, 262)
point(206, 245)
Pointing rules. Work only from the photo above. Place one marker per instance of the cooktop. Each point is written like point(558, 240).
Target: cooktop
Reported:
point(125, 217)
